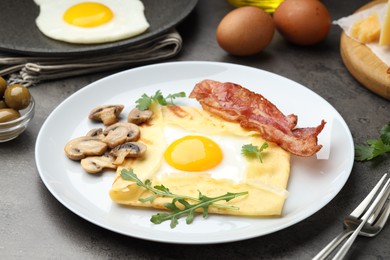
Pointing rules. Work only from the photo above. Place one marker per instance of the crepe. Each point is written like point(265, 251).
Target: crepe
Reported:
point(266, 182)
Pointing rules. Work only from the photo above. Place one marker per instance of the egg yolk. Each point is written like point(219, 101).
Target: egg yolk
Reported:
point(193, 154)
point(88, 14)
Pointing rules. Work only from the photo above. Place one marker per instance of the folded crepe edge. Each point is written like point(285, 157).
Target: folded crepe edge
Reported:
point(256, 203)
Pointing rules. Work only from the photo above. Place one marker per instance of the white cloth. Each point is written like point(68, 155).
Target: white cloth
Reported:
point(30, 70)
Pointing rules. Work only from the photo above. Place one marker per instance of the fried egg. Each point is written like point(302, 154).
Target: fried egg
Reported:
point(88, 22)
point(195, 153)
point(190, 150)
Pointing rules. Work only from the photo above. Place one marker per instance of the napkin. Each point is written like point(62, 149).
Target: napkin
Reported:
point(382, 52)
point(30, 70)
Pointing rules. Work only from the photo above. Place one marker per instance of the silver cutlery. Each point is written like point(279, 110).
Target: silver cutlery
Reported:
point(365, 220)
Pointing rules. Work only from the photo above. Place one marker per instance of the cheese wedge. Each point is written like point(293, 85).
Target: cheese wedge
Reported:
point(367, 30)
point(385, 32)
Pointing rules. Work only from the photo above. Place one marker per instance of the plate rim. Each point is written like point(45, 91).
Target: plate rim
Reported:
point(179, 63)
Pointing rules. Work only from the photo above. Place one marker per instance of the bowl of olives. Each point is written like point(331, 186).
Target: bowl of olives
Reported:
point(16, 110)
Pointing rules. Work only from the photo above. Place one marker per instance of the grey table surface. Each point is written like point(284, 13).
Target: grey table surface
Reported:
point(34, 225)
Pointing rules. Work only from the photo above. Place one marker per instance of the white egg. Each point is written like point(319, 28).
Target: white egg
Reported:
point(98, 21)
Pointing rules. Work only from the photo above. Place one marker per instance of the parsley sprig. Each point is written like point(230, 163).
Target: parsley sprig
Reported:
point(253, 150)
point(186, 209)
point(374, 147)
point(144, 102)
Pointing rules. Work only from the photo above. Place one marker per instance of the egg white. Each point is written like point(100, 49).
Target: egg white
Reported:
point(129, 20)
point(232, 166)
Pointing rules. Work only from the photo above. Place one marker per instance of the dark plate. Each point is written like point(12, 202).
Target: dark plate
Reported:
point(19, 34)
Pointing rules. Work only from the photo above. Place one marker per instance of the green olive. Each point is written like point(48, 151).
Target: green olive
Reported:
point(17, 96)
point(3, 104)
point(8, 114)
point(3, 86)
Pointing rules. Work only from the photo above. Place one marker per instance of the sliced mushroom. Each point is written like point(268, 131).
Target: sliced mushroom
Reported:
point(120, 133)
point(95, 164)
point(107, 114)
point(96, 132)
point(128, 150)
point(138, 117)
point(81, 147)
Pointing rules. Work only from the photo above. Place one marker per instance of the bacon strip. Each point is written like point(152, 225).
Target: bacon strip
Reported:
point(254, 112)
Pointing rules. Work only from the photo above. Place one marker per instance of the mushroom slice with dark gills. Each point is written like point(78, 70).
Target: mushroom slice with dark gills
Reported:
point(107, 114)
point(81, 147)
point(96, 132)
point(120, 133)
point(95, 164)
point(128, 150)
point(138, 117)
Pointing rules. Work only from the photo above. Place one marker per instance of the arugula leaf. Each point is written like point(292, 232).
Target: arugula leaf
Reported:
point(160, 190)
point(186, 208)
point(375, 147)
point(144, 102)
point(253, 150)
point(190, 209)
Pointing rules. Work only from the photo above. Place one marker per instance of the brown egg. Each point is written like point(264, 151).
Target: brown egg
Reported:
point(245, 31)
point(303, 22)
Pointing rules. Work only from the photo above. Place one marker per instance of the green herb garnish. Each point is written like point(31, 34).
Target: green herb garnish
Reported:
point(253, 150)
point(374, 147)
point(144, 102)
point(186, 209)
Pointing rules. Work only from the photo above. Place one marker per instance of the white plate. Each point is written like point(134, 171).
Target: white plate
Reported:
point(313, 183)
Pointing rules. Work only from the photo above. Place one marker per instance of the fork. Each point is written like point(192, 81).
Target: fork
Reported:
point(377, 218)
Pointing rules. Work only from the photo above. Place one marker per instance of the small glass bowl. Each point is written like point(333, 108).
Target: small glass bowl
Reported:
point(12, 129)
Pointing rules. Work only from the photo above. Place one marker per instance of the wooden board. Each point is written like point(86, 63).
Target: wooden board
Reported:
point(365, 65)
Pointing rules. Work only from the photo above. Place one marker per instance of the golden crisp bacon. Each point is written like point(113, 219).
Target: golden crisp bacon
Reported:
point(254, 112)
